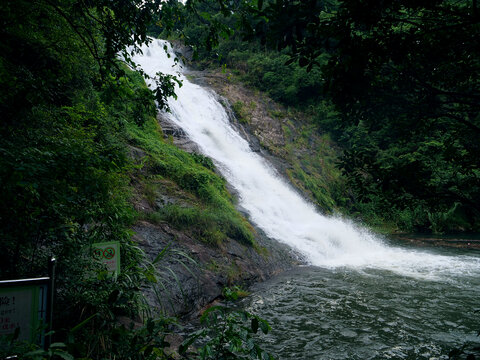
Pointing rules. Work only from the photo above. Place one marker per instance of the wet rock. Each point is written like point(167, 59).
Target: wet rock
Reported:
point(261, 122)
point(177, 134)
point(136, 153)
point(264, 133)
point(164, 200)
point(183, 51)
point(193, 274)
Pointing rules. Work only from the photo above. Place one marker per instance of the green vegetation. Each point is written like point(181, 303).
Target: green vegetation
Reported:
point(208, 211)
point(71, 112)
point(242, 113)
point(227, 333)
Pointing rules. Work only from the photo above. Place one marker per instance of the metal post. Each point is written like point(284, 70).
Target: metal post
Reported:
point(51, 295)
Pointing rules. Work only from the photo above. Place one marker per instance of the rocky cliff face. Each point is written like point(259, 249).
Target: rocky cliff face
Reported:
point(202, 271)
point(194, 273)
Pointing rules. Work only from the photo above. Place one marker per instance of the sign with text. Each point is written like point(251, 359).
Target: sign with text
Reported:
point(23, 305)
point(109, 254)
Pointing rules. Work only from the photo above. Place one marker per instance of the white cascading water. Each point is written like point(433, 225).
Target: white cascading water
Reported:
point(271, 203)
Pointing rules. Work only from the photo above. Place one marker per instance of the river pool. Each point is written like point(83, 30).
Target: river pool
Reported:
point(344, 313)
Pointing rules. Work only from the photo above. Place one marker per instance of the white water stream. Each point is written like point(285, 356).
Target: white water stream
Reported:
point(272, 204)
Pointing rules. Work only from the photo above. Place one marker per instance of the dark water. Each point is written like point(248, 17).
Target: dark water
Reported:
point(319, 313)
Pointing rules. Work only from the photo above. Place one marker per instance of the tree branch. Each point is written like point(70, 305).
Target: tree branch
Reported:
point(93, 50)
point(463, 121)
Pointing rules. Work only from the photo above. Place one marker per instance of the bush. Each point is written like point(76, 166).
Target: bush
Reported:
point(208, 224)
point(227, 333)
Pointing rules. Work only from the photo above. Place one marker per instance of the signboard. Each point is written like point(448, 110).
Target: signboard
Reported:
point(109, 254)
point(23, 305)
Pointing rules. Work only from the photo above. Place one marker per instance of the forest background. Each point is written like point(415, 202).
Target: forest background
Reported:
point(395, 84)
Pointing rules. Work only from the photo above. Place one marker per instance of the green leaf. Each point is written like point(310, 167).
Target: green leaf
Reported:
point(58, 345)
point(255, 325)
point(148, 350)
point(210, 310)
point(83, 323)
point(264, 326)
point(64, 355)
point(162, 253)
point(34, 353)
point(290, 61)
point(189, 341)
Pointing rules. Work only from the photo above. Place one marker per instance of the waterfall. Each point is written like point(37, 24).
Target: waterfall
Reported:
point(271, 203)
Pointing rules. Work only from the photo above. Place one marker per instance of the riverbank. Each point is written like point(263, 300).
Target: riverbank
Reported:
point(428, 240)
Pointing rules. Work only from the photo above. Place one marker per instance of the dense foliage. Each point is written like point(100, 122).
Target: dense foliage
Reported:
point(63, 163)
point(64, 169)
point(226, 332)
point(70, 110)
point(405, 77)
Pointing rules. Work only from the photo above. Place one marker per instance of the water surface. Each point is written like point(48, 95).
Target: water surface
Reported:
point(343, 313)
